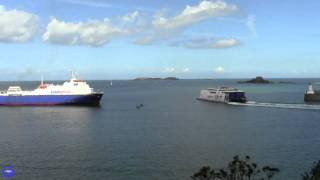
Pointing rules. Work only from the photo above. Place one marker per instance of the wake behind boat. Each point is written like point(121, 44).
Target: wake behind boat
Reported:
point(73, 92)
point(277, 105)
point(222, 95)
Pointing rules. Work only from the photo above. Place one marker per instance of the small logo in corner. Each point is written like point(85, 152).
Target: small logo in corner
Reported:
point(8, 172)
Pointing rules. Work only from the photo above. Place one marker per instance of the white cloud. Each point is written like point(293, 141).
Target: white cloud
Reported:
point(133, 22)
point(208, 43)
point(131, 17)
point(88, 3)
point(251, 24)
point(94, 32)
point(194, 14)
point(185, 70)
point(17, 26)
point(169, 70)
point(219, 69)
point(176, 70)
point(226, 43)
point(164, 28)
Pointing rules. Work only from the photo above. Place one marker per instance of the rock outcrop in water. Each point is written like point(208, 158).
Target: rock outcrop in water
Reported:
point(257, 80)
point(171, 78)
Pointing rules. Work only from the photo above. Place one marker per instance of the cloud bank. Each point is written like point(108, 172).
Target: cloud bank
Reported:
point(93, 33)
point(17, 26)
point(194, 14)
point(169, 28)
point(143, 29)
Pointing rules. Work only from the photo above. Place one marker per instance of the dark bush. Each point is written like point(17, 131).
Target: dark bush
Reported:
point(314, 173)
point(237, 169)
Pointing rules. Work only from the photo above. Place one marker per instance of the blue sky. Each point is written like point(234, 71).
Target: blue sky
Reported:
point(104, 39)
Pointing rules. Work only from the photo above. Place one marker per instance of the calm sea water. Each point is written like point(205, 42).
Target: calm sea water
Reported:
point(170, 138)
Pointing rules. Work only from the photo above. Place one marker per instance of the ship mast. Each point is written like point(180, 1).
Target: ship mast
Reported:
point(41, 79)
point(73, 76)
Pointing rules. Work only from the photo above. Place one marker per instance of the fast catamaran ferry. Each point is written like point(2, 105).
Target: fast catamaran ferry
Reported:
point(73, 92)
point(222, 95)
point(312, 95)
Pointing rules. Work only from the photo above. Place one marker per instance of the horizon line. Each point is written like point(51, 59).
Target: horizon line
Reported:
point(133, 79)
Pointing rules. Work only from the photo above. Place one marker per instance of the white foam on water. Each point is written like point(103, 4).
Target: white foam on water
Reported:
point(277, 105)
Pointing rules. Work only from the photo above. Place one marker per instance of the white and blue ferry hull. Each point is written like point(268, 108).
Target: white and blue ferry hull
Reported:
point(50, 100)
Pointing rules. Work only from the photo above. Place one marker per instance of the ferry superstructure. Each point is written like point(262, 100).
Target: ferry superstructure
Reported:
point(73, 92)
point(222, 95)
point(311, 95)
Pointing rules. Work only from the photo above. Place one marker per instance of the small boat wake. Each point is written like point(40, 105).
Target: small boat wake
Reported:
point(277, 105)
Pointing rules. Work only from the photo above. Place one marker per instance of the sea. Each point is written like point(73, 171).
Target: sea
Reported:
point(170, 137)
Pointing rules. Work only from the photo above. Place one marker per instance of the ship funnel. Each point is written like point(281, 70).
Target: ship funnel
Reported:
point(310, 87)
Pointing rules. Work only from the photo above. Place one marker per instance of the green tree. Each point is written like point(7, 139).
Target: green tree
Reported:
point(237, 169)
point(314, 173)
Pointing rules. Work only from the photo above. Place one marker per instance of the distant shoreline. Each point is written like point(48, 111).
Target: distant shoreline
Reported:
point(153, 78)
point(130, 79)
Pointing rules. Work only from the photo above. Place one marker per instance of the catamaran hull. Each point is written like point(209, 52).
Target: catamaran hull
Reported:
point(222, 101)
point(312, 97)
point(51, 100)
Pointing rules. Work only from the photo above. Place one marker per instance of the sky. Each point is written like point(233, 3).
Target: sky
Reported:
point(124, 39)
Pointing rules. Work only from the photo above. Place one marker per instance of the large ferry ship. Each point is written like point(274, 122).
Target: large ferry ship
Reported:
point(222, 95)
point(73, 92)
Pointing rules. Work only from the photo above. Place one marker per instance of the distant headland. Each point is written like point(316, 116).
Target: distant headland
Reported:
point(257, 80)
point(152, 78)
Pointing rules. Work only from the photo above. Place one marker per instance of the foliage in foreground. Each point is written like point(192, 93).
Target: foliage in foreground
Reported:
point(237, 169)
point(314, 173)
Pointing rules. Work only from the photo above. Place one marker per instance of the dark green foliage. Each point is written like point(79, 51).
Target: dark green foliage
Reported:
point(237, 169)
point(314, 173)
